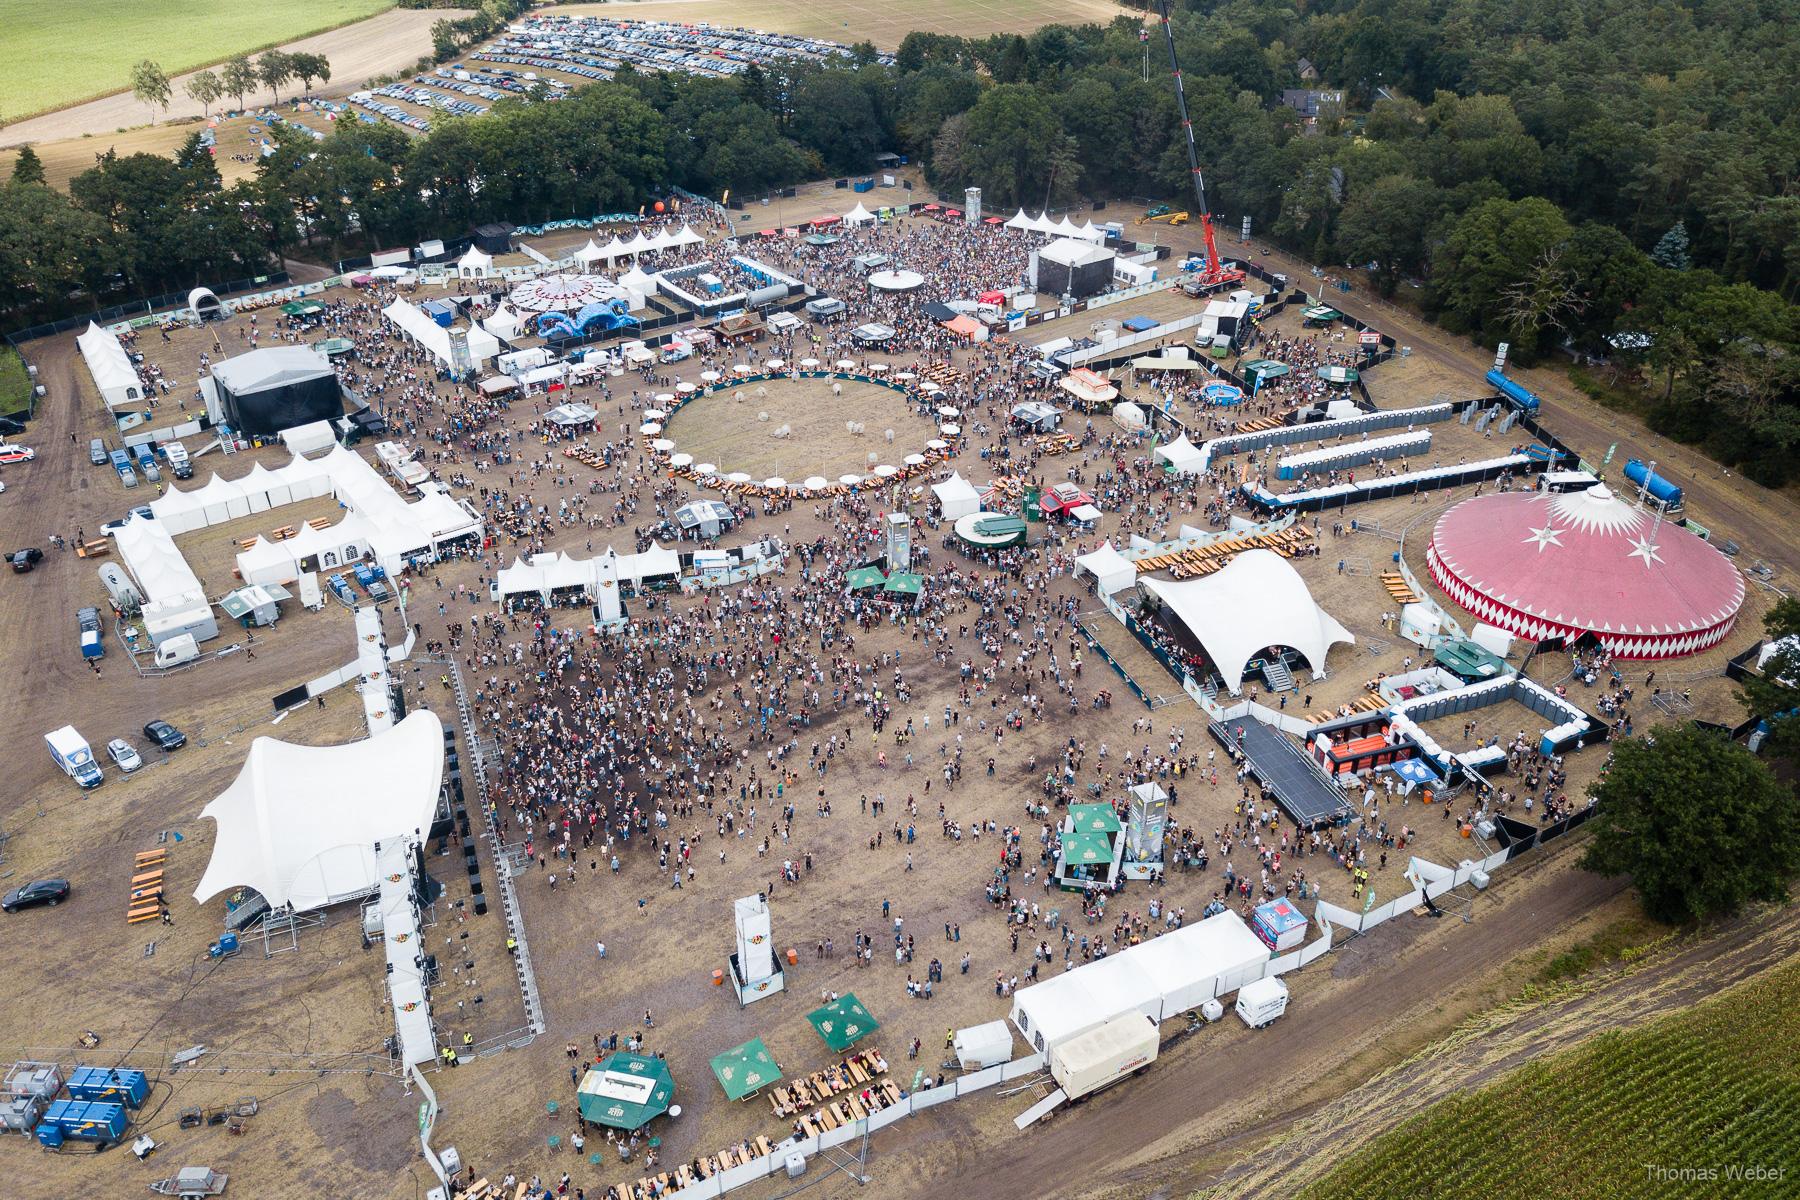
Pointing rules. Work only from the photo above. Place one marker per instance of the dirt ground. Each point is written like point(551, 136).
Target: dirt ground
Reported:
point(726, 428)
point(661, 952)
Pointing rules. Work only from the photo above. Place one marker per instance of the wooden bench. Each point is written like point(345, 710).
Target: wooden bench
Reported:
point(149, 858)
point(147, 877)
point(320, 522)
point(284, 533)
point(93, 549)
point(142, 913)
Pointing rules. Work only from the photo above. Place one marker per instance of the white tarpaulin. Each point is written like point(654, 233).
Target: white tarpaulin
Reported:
point(1256, 600)
point(300, 823)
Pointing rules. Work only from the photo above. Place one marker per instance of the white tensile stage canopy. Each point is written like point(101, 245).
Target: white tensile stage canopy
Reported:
point(300, 823)
point(1255, 600)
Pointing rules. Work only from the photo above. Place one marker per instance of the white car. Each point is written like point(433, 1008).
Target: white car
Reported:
point(16, 454)
point(124, 755)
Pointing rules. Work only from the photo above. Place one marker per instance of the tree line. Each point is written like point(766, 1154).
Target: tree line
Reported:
point(1612, 176)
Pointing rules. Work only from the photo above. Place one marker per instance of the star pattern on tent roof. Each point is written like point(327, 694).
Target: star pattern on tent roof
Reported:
point(1547, 536)
point(1645, 549)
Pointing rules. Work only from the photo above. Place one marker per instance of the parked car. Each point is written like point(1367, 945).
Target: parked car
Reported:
point(40, 891)
point(9, 427)
point(124, 754)
point(23, 560)
point(111, 528)
point(165, 735)
point(10, 453)
point(97, 452)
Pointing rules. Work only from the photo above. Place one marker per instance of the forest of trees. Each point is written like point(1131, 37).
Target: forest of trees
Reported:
point(1542, 172)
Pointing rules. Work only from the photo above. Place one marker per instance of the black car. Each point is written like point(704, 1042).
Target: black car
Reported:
point(23, 560)
point(165, 735)
point(11, 428)
point(42, 891)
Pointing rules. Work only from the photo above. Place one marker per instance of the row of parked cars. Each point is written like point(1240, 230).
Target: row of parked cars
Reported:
point(426, 98)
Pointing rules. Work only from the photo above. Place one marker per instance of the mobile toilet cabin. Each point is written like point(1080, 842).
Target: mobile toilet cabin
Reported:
point(1261, 1002)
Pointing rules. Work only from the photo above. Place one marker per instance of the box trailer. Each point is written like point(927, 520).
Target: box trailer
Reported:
point(1102, 1056)
point(1261, 1002)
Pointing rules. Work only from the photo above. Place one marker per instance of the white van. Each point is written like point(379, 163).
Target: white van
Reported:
point(177, 650)
point(1261, 1002)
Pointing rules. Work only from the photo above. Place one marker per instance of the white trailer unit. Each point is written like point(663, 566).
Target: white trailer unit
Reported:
point(1261, 1002)
point(1102, 1056)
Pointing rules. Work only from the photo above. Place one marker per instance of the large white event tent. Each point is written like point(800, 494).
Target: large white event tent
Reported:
point(380, 523)
point(957, 497)
point(174, 601)
point(504, 323)
point(858, 215)
point(111, 367)
point(300, 823)
point(476, 264)
point(412, 321)
point(1161, 978)
point(1111, 570)
point(544, 574)
point(1254, 601)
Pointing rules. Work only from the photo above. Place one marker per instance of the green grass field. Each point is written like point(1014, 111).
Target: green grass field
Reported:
point(1716, 1087)
point(59, 56)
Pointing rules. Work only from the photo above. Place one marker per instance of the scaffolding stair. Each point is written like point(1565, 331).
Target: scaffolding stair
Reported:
point(1279, 678)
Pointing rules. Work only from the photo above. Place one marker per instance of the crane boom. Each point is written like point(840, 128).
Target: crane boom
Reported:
point(1213, 274)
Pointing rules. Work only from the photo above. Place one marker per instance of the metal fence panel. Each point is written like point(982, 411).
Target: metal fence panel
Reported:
point(931, 1096)
point(974, 1081)
point(1020, 1067)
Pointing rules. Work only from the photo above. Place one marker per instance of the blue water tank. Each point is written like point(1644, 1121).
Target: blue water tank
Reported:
point(1521, 396)
point(1660, 489)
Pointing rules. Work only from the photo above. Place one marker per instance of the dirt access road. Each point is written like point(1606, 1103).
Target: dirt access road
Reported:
point(378, 46)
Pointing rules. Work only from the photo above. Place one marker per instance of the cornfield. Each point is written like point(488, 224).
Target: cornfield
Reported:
point(1626, 1114)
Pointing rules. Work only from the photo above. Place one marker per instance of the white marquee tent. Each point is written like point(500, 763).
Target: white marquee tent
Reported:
point(1111, 570)
point(111, 367)
point(1255, 600)
point(475, 264)
point(1182, 455)
point(300, 823)
point(858, 215)
point(174, 601)
point(1161, 978)
point(957, 497)
point(412, 321)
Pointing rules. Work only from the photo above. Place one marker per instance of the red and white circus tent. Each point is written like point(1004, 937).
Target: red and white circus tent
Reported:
point(1545, 565)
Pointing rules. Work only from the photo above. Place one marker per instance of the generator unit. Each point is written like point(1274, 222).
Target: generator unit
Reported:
point(19, 1114)
point(116, 1084)
point(81, 1121)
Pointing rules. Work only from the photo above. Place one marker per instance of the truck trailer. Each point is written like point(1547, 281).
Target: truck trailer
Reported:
point(1104, 1055)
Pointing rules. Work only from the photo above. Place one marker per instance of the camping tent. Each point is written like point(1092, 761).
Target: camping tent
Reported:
point(1254, 601)
point(299, 824)
point(1111, 570)
point(626, 1091)
point(745, 1070)
point(956, 497)
point(843, 1022)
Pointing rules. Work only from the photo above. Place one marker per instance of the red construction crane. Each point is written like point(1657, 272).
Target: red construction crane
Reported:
point(1214, 273)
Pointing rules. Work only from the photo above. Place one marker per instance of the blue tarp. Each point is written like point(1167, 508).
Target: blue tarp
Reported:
point(1140, 324)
